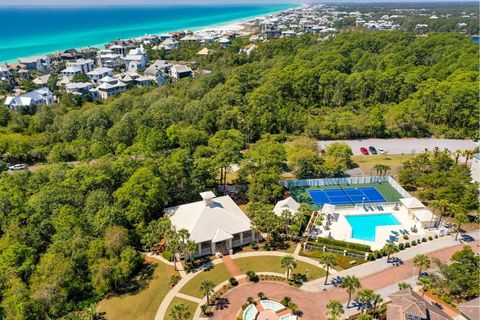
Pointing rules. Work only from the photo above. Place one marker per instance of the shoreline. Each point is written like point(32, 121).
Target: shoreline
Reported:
point(236, 25)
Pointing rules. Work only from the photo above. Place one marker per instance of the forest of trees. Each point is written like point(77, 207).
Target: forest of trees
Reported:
point(383, 84)
point(69, 235)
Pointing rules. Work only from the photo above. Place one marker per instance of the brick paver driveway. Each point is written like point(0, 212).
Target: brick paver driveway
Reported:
point(313, 303)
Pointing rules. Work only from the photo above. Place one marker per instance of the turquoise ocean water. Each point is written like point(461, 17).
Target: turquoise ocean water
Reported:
point(26, 32)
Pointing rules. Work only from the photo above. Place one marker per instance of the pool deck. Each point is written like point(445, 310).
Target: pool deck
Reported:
point(341, 229)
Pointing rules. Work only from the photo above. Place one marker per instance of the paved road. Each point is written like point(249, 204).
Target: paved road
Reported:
point(406, 146)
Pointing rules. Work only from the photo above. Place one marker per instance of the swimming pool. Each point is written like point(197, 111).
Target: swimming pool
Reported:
point(250, 312)
point(364, 225)
point(272, 305)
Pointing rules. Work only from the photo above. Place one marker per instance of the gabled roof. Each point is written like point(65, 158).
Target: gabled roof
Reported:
point(208, 220)
point(412, 203)
point(470, 309)
point(407, 303)
point(287, 204)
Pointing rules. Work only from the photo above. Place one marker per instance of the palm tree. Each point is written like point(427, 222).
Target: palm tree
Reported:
point(425, 283)
point(334, 309)
point(460, 218)
point(189, 249)
point(404, 285)
point(457, 154)
point(422, 262)
point(468, 154)
point(329, 261)
point(179, 312)
point(377, 299)
point(351, 284)
point(184, 234)
point(289, 263)
point(365, 297)
point(389, 248)
point(440, 207)
point(286, 301)
point(206, 286)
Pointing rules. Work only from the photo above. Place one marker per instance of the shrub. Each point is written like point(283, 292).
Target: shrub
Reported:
point(405, 237)
point(377, 254)
point(419, 241)
point(262, 296)
point(407, 245)
point(430, 238)
point(424, 239)
point(414, 243)
point(254, 245)
point(371, 257)
point(204, 309)
point(401, 246)
point(167, 255)
point(233, 281)
point(436, 236)
point(174, 280)
point(252, 276)
point(344, 244)
point(299, 278)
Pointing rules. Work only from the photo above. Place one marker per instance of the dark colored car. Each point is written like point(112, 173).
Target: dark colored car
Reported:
point(372, 150)
point(364, 150)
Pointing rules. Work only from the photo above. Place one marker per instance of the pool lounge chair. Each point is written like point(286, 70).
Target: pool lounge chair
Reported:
point(365, 208)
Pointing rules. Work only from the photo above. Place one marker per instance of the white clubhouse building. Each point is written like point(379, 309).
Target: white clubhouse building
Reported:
point(217, 224)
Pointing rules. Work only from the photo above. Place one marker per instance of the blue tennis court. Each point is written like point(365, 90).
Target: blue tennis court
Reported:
point(346, 196)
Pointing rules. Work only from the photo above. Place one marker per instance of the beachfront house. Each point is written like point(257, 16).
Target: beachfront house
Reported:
point(70, 72)
point(110, 87)
point(79, 88)
point(41, 63)
point(136, 59)
point(84, 65)
point(181, 71)
point(109, 59)
point(168, 44)
point(99, 73)
point(216, 224)
point(30, 99)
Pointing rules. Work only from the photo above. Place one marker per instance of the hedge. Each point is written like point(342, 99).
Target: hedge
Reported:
point(344, 244)
point(334, 247)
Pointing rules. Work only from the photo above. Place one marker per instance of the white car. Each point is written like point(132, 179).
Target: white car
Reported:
point(19, 166)
point(380, 150)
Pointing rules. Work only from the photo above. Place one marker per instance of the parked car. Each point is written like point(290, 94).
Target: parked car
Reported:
point(364, 150)
point(372, 150)
point(18, 166)
point(381, 151)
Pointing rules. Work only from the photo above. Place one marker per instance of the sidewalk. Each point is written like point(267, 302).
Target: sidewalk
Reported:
point(377, 266)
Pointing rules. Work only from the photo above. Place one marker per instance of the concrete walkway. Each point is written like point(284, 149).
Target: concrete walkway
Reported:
point(188, 297)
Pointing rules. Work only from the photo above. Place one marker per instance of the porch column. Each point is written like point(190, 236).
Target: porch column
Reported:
point(213, 247)
point(229, 244)
point(241, 238)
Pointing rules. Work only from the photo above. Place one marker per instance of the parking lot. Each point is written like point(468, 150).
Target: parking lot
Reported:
point(405, 146)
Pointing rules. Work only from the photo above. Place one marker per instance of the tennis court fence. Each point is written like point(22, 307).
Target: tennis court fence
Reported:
point(349, 180)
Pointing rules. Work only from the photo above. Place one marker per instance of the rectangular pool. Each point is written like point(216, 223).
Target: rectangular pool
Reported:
point(364, 225)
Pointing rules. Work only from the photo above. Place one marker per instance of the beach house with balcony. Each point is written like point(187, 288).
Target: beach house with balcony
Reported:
point(33, 98)
point(216, 224)
point(181, 71)
point(136, 59)
point(99, 73)
point(84, 65)
point(110, 87)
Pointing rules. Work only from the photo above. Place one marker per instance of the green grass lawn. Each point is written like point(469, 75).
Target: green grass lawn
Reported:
point(144, 303)
point(192, 306)
point(394, 161)
point(344, 262)
point(272, 264)
point(217, 275)
point(301, 195)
